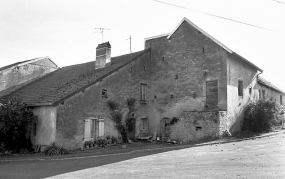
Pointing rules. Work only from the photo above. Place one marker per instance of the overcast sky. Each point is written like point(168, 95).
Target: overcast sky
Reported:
point(64, 29)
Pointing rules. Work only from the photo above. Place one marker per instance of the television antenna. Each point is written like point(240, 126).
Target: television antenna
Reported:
point(101, 31)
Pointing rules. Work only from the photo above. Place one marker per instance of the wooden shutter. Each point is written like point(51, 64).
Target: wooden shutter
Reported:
point(212, 94)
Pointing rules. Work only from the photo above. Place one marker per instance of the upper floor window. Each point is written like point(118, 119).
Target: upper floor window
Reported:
point(104, 93)
point(240, 88)
point(249, 90)
point(142, 92)
point(281, 102)
point(212, 94)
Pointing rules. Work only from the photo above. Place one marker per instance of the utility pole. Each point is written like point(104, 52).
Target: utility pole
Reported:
point(101, 31)
point(130, 45)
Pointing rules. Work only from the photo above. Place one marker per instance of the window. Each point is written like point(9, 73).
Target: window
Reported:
point(263, 94)
point(198, 128)
point(104, 93)
point(142, 92)
point(212, 94)
point(240, 88)
point(249, 90)
point(281, 102)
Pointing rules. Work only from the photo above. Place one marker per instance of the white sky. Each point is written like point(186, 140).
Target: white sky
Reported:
point(64, 29)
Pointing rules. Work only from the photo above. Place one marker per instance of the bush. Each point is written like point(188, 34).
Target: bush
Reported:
point(16, 120)
point(54, 149)
point(260, 116)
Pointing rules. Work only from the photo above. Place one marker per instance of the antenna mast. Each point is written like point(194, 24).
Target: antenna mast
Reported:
point(130, 45)
point(101, 31)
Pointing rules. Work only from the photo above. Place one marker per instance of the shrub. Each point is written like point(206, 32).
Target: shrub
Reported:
point(54, 149)
point(260, 116)
point(16, 120)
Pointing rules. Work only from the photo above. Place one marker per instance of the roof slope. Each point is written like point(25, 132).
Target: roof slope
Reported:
point(262, 81)
point(67, 81)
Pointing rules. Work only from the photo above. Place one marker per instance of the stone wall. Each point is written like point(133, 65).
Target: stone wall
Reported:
point(181, 65)
point(196, 125)
point(89, 103)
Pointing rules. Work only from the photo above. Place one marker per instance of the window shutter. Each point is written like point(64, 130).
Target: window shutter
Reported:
point(212, 94)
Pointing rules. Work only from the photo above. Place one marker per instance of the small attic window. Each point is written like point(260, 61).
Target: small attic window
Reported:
point(199, 32)
point(249, 90)
point(104, 93)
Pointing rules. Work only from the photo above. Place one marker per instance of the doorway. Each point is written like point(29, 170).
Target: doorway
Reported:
point(131, 129)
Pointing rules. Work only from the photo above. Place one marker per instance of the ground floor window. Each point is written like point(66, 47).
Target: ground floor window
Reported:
point(93, 128)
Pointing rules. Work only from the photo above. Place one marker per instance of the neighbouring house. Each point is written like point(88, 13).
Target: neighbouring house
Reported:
point(14, 76)
point(187, 84)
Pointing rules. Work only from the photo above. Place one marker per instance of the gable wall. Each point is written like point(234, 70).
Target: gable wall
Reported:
point(90, 104)
point(184, 58)
point(18, 75)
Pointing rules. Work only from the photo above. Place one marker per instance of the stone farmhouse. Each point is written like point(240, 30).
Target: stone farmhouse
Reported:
point(186, 76)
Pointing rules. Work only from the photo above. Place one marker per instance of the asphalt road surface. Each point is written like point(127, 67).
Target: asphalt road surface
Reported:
point(258, 158)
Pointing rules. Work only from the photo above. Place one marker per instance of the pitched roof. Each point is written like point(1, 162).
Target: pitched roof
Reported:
point(206, 34)
point(262, 81)
point(67, 81)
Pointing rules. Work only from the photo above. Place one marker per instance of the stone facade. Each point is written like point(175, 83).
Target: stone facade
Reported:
point(90, 104)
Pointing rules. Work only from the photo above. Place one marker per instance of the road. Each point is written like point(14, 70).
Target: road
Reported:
point(258, 158)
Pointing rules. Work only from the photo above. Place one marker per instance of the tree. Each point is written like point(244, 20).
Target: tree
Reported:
point(117, 116)
point(16, 120)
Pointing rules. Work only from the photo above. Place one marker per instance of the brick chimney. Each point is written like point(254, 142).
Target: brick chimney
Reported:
point(103, 55)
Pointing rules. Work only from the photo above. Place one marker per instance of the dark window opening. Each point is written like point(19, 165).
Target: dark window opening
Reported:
point(104, 93)
point(250, 89)
point(281, 102)
point(203, 50)
point(263, 94)
point(198, 128)
point(35, 128)
point(240, 88)
point(211, 94)
point(142, 92)
point(144, 67)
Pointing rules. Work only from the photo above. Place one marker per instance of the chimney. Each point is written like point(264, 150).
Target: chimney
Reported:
point(103, 55)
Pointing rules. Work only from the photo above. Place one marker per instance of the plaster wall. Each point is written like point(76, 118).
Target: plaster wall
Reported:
point(270, 94)
point(89, 103)
point(21, 74)
point(237, 69)
point(181, 66)
point(46, 125)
